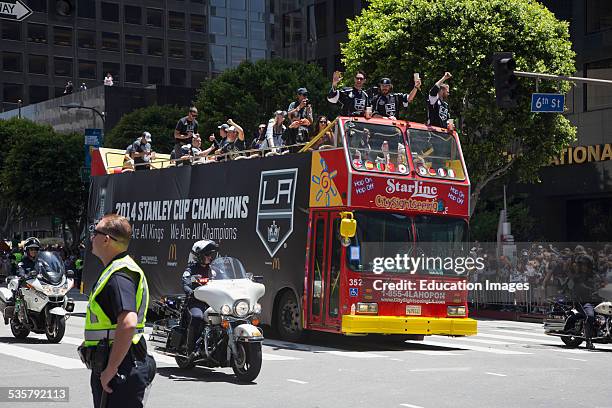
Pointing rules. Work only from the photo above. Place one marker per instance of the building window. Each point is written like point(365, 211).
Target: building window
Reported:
point(258, 31)
point(38, 93)
point(156, 75)
point(63, 66)
point(110, 41)
point(258, 6)
point(292, 28)
point(87, 69)
point(37, 33)
point(343, 10)
point(238, 4)
point(133, 73)
point(113, 69)
point(238, 28)
point(218, 53)
point(197, 23)
point(598, 15)
point(197, 77)
point(87, 39)
point(86, 8)
point(133, 44)
point(257, 55)
point(11, 61)
point(239, 54)
point(11, 30)
point(597, 96)
point(217, 25)
point(155, 46)
point(316, 22)
point(176, 20)
point(176, 49)
point(177, 77)
point(198, 51)
point(110, 11)
point(12, 92)
point(38, 5)
point(217, 3)
point(62, 36)
point(37, 64)
point(155, 18)
point(132, 14)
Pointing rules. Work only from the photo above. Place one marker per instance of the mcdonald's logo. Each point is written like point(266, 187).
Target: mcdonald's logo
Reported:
point(172, 252)
point(276, 264)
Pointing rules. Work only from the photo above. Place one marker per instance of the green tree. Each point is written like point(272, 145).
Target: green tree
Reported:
point(40, 173)
point(252, 92)
point(159, 120)
point(398, 37)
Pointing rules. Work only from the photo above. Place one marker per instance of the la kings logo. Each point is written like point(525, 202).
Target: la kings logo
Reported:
point(275, 207)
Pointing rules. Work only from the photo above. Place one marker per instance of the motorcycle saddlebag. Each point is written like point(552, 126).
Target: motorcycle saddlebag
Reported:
point(177, 333)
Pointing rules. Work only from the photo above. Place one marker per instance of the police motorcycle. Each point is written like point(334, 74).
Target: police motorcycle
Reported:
point(38, 302)
point(230, 337)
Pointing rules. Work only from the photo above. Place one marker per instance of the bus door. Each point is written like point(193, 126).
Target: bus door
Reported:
point(324, 272)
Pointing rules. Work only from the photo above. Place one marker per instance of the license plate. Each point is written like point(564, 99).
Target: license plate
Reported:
point(413, 310)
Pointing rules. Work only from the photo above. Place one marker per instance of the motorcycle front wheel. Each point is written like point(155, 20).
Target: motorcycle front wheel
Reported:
point(247, 364)
point(55, 331)
point(571, 341)
point(19, 331)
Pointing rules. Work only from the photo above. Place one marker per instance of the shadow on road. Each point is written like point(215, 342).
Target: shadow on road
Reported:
point(27, 340)
point(199, 374)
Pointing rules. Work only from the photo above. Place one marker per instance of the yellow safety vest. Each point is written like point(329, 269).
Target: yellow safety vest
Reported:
point(97, 324)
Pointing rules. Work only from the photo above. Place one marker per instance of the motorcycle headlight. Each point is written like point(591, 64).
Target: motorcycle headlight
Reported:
point(257, 308)
point(226, 309)
point(241, 308)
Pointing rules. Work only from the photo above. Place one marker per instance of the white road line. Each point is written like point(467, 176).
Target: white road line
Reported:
point(569, 351)
point(410, 406)
point(353, 354)
point(521, 332)
point(41, 357)
point(496, 374)
point(522, 339)
point(439, 369)
point(576, 359)
point(434, 352)
point(276, 357)
point(395, 359)
point(467, 347)
point(296, 381)
point(477, 340)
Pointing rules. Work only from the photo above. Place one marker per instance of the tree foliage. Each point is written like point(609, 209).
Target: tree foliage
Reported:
point(252, 92)
point(159, 120)
point(398, 37)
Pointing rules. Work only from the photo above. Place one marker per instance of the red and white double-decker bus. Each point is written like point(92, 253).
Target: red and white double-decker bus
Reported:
point(405, 184)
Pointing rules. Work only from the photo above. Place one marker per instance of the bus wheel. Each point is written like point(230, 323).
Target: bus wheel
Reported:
point(288, 320)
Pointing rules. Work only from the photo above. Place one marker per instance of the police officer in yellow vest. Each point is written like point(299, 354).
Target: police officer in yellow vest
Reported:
point(115, 320)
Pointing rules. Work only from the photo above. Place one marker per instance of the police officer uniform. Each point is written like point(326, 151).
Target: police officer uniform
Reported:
point(122, 287)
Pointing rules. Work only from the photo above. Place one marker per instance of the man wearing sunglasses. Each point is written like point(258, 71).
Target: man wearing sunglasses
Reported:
point(185, 129)
point(354, 100)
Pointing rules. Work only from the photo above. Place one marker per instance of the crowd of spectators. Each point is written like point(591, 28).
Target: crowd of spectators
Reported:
point(289, 130)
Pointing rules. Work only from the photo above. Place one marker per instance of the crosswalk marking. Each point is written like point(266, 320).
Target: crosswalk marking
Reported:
point(428, 342)
point(521, 332)
point(521, 339)
point(433, 352)
point(352, 354)
point(477, 340)
point(41, 357)
point(276, 357)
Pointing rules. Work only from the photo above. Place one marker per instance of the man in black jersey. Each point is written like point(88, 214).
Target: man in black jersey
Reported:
point(387, 104)
point(354, 100)
point(438, 112)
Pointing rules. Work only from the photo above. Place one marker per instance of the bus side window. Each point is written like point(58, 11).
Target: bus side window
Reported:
point(317, 282)
point(334, 271)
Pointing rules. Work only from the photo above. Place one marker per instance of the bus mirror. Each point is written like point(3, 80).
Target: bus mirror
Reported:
point(348, 225)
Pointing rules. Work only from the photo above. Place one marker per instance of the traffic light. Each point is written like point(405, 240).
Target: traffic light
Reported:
point(505, 81)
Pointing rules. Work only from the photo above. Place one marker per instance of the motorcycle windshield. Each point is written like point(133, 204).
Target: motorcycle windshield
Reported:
point(50, 267)
point(227, 267)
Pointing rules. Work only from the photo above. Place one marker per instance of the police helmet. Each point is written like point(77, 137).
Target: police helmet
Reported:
point(203, 248)
point(31, 243)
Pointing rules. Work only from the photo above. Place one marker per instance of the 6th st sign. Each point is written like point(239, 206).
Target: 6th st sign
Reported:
point(14, 10)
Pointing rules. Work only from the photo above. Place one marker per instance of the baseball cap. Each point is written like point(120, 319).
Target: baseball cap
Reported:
point(280, 113)
point(147, 136)
point(224, 126)
point(231, 129)
point(385, 81)
point(302, 91)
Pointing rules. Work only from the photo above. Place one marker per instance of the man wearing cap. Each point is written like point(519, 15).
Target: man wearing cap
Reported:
point(140, 151)
point(185, 129)
point(234, 142)
point(300, 116)
point(387, 104)
point(354, 100)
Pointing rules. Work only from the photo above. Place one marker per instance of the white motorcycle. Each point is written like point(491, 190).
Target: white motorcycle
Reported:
point(230, 337)
point(38, 302)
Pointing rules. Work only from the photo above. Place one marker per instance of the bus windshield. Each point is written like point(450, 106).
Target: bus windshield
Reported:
point(435, 154)
point(374, 147)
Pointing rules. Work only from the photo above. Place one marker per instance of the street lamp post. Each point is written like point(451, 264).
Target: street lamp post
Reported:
point(77, 106)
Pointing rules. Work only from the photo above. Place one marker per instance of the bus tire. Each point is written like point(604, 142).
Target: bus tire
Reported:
point(288, 321)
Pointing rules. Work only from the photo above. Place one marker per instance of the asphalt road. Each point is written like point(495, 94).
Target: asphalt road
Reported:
point(508, 364)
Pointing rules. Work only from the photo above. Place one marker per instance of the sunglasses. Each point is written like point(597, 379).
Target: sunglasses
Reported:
point(322, 121)
point(359, 79)
point(97, 231)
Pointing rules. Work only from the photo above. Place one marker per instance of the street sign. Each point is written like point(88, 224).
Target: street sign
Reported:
point(14, 10)
point(547, 102)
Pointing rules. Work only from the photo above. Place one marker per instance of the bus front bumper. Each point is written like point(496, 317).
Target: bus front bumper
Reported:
point(356, 324)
